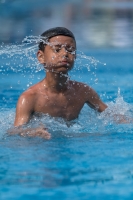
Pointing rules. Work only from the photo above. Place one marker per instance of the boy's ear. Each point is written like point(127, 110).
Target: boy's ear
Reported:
point(40, 56)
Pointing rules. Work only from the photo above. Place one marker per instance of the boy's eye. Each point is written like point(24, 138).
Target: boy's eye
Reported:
point(56, 49)
point(70, 50)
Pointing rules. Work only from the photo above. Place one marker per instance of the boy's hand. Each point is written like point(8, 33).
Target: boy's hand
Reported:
point(38, 132)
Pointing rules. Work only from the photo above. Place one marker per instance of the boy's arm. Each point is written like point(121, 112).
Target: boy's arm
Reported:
point(23, 113)
point(24, 110)
point(94, 101)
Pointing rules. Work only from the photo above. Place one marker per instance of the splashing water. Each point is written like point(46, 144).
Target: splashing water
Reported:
point(20, 59)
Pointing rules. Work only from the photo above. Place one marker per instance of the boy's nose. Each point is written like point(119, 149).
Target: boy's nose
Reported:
point(64, 51)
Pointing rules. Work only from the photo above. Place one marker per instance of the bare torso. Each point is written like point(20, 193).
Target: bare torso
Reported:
point(65, 104)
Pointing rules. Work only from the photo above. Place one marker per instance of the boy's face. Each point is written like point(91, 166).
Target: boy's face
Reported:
point(59, 54)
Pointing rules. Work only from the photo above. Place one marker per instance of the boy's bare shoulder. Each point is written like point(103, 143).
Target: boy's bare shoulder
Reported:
point(30, 93)
point(80, 85)
point(84, 90)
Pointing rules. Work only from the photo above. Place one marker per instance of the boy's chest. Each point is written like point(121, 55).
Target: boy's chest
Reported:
point(67, 106)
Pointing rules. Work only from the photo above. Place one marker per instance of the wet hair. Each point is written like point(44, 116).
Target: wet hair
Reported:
point(45, 36)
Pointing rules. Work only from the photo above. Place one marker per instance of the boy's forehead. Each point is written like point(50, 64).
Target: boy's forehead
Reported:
point(61, 39)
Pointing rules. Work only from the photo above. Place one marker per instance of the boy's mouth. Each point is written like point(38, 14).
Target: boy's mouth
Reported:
point(64, 62)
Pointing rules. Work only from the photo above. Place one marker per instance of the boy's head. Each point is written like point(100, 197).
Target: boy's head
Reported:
point(57, 50)
point(52, 33)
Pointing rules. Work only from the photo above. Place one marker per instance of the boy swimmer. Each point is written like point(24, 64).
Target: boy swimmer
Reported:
point(55, 95)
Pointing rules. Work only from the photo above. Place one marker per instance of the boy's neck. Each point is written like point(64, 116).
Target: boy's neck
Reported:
point(56, 82)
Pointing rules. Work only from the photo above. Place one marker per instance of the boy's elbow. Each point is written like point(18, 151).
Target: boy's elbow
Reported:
point(102, 107)
point(20, 122)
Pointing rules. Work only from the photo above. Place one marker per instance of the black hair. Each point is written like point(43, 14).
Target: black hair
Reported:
point(45, 36)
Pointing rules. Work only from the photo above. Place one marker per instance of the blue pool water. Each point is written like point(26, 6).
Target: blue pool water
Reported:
point(91, 159)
